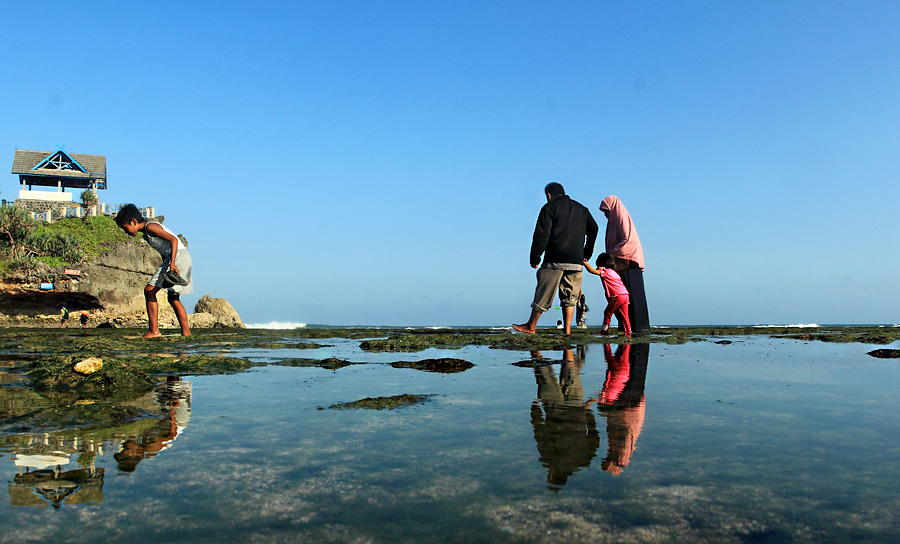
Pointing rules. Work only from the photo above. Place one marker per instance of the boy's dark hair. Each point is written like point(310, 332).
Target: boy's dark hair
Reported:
point(127, 212)
point(554, 189)
point(605, 260)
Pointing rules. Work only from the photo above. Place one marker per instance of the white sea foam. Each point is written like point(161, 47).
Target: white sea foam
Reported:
point(798, 326)
point(276, 325)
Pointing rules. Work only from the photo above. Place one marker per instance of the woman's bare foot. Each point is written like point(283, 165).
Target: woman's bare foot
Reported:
point(152, 334)
point(523, 328)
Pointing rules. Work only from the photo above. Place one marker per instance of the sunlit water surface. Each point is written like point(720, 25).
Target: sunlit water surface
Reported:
point(761, 440)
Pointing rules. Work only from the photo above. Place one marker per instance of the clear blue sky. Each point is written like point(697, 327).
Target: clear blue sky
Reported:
point(383, 162)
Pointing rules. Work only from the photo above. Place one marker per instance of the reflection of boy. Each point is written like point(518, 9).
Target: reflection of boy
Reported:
point(175, 399)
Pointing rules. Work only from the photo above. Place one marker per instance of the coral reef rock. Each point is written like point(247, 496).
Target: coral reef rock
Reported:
point(215, 313)
point(88, 366)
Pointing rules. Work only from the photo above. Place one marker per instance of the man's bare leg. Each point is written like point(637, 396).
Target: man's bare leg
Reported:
point(568, 312)
point(531, 325)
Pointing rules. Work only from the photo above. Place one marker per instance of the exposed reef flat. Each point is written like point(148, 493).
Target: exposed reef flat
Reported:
point(46, 359)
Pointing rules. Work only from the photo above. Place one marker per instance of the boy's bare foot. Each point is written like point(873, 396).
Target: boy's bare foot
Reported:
point(185, 334)
point(152, 334)
point(523, 328)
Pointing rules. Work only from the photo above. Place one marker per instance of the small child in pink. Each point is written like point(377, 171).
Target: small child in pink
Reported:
point(616, 293)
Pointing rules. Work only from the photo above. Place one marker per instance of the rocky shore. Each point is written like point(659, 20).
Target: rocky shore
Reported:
point(109, 288)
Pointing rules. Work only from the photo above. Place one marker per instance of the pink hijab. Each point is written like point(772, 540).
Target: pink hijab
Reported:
point(621, 236)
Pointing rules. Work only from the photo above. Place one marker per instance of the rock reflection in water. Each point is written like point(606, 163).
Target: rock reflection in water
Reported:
point(42, 477)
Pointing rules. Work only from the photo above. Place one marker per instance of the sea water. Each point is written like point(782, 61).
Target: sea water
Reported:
point(759, 440)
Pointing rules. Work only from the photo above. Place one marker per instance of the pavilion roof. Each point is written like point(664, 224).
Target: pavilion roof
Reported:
point(52, 165)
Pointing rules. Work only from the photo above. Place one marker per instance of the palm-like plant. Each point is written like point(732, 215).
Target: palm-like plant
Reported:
point(89, 201)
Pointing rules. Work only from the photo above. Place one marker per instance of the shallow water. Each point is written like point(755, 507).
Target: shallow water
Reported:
point(761, 440)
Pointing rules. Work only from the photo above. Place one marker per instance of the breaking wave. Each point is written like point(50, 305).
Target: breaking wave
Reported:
point(281, 325)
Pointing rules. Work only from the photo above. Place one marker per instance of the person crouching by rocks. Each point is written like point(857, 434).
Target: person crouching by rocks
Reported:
point(174, 274)
point(565, 234)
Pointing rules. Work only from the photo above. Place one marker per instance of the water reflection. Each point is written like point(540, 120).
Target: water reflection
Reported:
point(44, 447)
point(621, 400)
point(565, 428)
point(565, 433)
point(175, 402)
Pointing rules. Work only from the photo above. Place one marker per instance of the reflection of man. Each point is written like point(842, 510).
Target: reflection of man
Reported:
point(566, 433)
point(565, 234)
point(622, 402)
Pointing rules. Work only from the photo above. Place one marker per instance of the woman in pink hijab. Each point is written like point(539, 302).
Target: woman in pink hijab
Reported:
point(622, 242)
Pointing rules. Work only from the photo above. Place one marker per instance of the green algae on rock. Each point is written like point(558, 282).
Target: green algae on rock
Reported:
point(383, 403)
point(446, 365)
point(58, 372)
point(885, 353)
point(331, 363)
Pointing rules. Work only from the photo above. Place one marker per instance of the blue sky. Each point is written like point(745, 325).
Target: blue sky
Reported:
point(383, 162)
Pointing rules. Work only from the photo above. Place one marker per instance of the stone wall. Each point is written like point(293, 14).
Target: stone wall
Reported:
point(58, 209)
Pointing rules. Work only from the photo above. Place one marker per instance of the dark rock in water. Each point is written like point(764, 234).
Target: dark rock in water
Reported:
point(724, 342)
point(383, 403)
point(446, 365)
point(331, 363)
point(534, 362)
point(885, 353)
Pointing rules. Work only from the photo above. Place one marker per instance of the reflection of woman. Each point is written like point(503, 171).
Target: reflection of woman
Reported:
point(623, 427)
point(622, 402)
point(623, 243)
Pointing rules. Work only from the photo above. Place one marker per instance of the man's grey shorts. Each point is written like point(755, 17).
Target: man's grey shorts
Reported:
point(568, 282)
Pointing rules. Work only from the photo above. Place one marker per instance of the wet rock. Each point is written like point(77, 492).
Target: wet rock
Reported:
point(215, 313)
point(88, 366)
point(383, 403)
point(331, 363)
point(885, 353)
point(447, 365)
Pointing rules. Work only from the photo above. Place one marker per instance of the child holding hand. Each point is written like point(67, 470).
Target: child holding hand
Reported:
point(616, 293)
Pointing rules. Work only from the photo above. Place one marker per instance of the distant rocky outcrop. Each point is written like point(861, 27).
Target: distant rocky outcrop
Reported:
point(110, 287)
point(215, 313)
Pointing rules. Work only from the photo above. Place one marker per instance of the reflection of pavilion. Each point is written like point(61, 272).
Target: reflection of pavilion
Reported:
point(50, 485)
point(152, 422)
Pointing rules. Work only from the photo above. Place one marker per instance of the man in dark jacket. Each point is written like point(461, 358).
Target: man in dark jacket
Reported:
point(565, 234)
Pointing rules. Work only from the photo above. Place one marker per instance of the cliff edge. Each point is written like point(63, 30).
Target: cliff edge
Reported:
point(109, 287)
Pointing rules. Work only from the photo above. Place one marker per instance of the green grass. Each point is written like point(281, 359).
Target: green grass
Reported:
point(95, 235)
